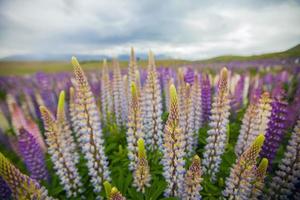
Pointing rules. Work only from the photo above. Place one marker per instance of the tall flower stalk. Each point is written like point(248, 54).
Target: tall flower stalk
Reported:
point(33, 155)
point(91, 138)
point(249, 126)
point(21, 186)
point(134, 131)
point(288, 173)
point(276, 128)
point(119, 96)
point(141, 174)
point(206, 97)
point(242, 174)
point(217, 135)
point(192, 180)
point(173, 154)
point(61, 148)
point(106, 93)
point(152, 107)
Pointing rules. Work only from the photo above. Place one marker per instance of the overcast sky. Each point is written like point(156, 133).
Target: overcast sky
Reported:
point(181, 29)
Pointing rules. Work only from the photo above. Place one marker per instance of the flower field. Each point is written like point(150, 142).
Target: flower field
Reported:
point(195, 131)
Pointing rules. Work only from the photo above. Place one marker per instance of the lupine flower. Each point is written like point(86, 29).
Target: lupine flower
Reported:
point(72, 111)
point(152, 107)
point(21, 186)
point(276, 128)
point(264, 113)
point(206, 97)
point(246, 90)
point(141, 174)
point(106, 93)
point(133, 75)
point(189, 76)
point(134, 131)
point(112, 193)
point(288, 173)
point(32, 155)
point(217, 135)
point(249, 126)
point(242, 174)
point(259, 182)
point(91, 138)
point(197, 103)
point(186, 117)
point(5, 192)
point(61, 148)
point(120, 100)
point(19, 121)
point(173, 154)
point(237, 101)
point(192, 181)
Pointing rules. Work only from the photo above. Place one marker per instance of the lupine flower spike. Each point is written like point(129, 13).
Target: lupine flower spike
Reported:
point(112, 193)
point(141, 174)
point(32, 155)
point(134, 131)
point(259, 180)
point(192, 180)
point(288, 173)
point(61, 148)
point(276, 128)
point(249, 126)
point(173, 154)
point(242, 174)
point(21, 186)
point(106, 93)
point(152, 107)
point(217, 135)
point(206, 97)
point(73, 113)
point(90, 131)
point(120, 100)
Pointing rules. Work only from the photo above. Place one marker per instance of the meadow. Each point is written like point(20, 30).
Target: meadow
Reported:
point(224, 128)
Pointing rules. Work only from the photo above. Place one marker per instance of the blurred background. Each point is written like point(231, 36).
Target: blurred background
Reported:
point(43, 35)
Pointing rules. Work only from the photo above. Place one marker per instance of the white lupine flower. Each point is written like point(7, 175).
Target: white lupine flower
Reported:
point(288, 173)
point(217, 135)
point(91, 139)
point(106, 93)
point(62, 148)
point(152, 107)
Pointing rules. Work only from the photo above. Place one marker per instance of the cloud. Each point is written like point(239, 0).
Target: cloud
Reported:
point(182, 29)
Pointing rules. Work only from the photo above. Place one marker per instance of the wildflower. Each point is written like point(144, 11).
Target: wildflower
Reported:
point(206, 97)
point(288, 173)
point(152, 107)
point(91, 138)
point(32, 155)
point(61, 148)
point(174, 144)
point(120, 100)
point(21, 186)
point(258, 184)
point(141, 174)
point(217, 135)
point(5, 192)
point(106, 93)
point(193, 179)
point(134, 131)
point(239, 182)
point(276, 128)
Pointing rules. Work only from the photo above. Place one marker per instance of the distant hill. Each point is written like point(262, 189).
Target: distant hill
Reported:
point(67, 57)
point(293, 52)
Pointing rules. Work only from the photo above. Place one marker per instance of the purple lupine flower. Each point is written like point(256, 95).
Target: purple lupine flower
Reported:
point(206, 97)
point(5, 192)
point(256, 90)
point(237, 100)
point(189, 76)
point(32, 155)
point(276, 128)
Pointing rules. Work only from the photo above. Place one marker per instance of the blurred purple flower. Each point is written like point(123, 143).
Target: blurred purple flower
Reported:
point(5, 192)
point(32, 155)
